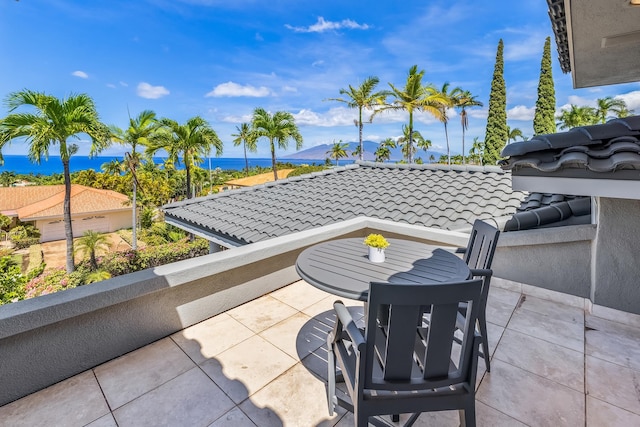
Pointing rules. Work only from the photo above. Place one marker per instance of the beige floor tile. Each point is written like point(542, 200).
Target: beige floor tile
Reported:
point(190, 399)
point(73, 402)
point(138, 372)
point(613, 384)
point(529, 398)
point(211, 337)
point(298, 335)
point(490, 417)
point(299, 295)
point(600, 413)
point(106, 421)
point(543, 358)
point(246, 368)
point(262, 313)
point(494, 333)
point(233, 418)
point(552, 309)
point(296, 398)
point(613, 342)
point(549, 328)
point(500, 306)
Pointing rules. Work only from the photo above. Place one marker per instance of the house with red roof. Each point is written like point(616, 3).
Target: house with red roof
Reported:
point(103, 211)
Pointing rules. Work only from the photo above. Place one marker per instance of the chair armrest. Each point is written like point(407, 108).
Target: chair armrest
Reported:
point(461, 250)
point(350, 327)
point(484, 272)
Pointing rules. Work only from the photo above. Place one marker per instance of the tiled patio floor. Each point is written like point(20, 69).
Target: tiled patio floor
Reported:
point(261, 364)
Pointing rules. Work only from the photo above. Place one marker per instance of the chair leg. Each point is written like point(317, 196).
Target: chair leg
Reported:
point(468, 417)
point(482, 323)
point(331, 380)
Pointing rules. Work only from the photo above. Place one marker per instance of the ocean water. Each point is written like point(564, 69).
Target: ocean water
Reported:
point(22, 164)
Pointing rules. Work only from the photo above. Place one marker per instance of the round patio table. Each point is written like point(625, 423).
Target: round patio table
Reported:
point(342, 267)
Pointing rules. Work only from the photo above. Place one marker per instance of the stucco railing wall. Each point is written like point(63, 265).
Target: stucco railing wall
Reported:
point(558, 259)
point(50, 338)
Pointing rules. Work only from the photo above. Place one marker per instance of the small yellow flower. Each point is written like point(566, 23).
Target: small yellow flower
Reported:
point(376, 241)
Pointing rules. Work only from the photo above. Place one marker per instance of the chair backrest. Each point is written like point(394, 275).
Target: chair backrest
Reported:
point(401, 354)
point(482, 245)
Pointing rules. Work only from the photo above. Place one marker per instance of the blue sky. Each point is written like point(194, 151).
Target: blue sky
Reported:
point(222, 58)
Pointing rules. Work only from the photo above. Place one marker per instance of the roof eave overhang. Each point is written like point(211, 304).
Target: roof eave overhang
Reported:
point(597, 187)
point(217, 238)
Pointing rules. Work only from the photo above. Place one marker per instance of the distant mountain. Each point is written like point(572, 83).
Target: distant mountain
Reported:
point(319, 152)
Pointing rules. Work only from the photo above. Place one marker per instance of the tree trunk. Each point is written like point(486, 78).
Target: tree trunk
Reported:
point(410, 150)
point(359, 135)
point(273, 160)
point(446, 136)
point(463, 152)
point(246, 161)
point(188, 172)
point(68, 231)
point(134, 234)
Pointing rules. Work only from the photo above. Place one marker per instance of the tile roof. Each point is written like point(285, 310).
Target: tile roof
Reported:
point(262, 178)
point(428, 195)
point(604, 148)
point(543, 210)
point(33, 202)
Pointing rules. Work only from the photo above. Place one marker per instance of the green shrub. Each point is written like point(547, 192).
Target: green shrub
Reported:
point(12, 281)
point(118, 263)
point(26, 242)
point(303, 170)
point(51, 281)
point(24, 231)
point(146, 217)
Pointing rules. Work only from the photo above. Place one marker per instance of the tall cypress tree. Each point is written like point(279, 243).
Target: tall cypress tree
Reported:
point(544, 120)
point(496, 134)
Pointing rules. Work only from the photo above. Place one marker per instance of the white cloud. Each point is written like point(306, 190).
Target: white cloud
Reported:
point(478, 113)
point(317, 63)
point(111, 85)
point(232, 89)
point(632, 99)
point(521, 112)
point(289, 89)
point(145, 90)
point(123, 84)
point(578, 100)
point(259, 37)
point(321, 26)
point(246, 118)
point(80, 74)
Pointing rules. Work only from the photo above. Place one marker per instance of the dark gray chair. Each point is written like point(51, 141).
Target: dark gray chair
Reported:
point(402, 366)
point(479, 255)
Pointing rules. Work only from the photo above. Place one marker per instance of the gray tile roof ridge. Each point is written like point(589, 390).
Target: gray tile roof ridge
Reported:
point(432, 166)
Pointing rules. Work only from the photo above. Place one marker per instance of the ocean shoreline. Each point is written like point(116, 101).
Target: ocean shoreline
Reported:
point(20, 164)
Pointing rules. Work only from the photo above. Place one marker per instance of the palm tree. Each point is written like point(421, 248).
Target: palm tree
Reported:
point(477, 150)
point(623, 112)
point(338, 150)
point(247, 138)
point(7, 178)
point(91, 242)
point(414, 97)
point(142, 131)
point(409, 150)
point(112, 167)
point(449, 99)
point(191, 141)
point(54, 122)
point(383, 151)
point(576, 116)
point(609, 104)
point(361, 97)
point(466, 100)
point(278, 128)
point(514, 133)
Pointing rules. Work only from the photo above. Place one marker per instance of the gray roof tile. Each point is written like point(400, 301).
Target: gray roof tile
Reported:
point(604, 148)
point(428, 195)
point(543, 210)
